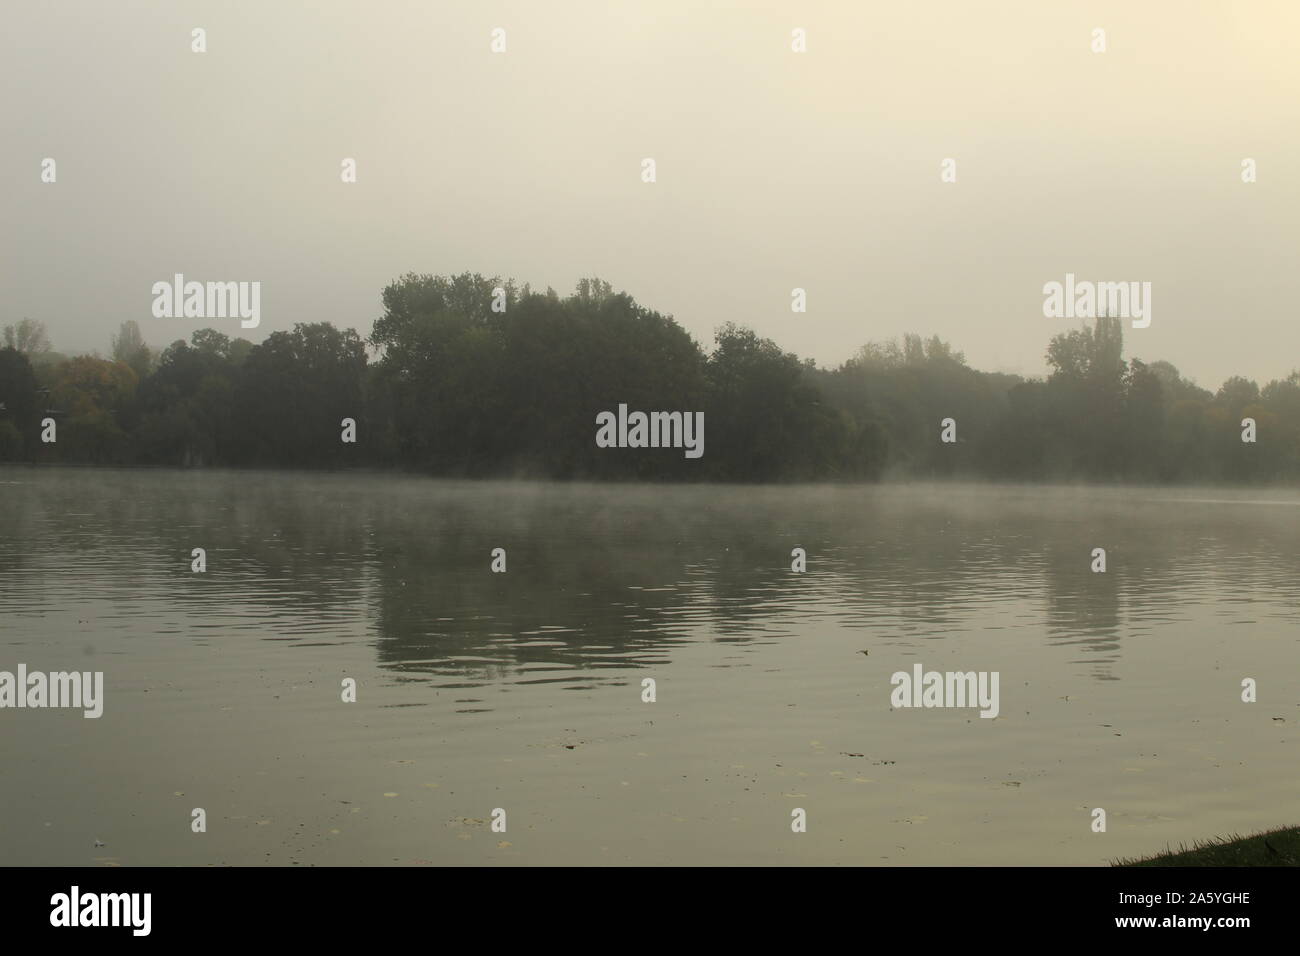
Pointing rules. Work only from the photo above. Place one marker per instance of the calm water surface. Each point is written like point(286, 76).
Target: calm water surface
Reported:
point(523, 690)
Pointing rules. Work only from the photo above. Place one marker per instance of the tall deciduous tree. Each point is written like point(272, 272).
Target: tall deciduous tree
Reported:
point(128, 347)
point(28, 336)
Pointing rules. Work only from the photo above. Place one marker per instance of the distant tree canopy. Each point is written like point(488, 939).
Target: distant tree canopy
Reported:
point(28, 337)
point(130, 350)
point(473, 376)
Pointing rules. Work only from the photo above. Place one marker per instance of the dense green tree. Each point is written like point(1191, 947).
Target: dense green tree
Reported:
point(767, 419)
point(293, 392)
point(19, 404)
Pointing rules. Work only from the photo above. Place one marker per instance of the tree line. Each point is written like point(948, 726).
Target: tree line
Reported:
point(469, 376)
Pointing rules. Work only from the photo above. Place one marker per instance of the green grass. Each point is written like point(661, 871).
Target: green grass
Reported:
point(1279, 847)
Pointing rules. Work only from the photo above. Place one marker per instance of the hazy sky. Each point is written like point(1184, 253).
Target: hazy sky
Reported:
point(775, 169)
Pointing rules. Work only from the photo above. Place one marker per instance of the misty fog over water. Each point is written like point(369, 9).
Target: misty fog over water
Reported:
point(523, 690)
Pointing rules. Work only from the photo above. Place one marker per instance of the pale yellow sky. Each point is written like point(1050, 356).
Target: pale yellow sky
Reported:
point(775, 170)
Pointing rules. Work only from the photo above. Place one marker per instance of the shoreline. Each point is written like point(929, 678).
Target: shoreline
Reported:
point(1279, 847)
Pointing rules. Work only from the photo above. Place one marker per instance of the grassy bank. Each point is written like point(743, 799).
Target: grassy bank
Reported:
point(1273, 848)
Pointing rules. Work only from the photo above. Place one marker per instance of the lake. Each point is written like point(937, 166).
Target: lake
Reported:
point(523, 690)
